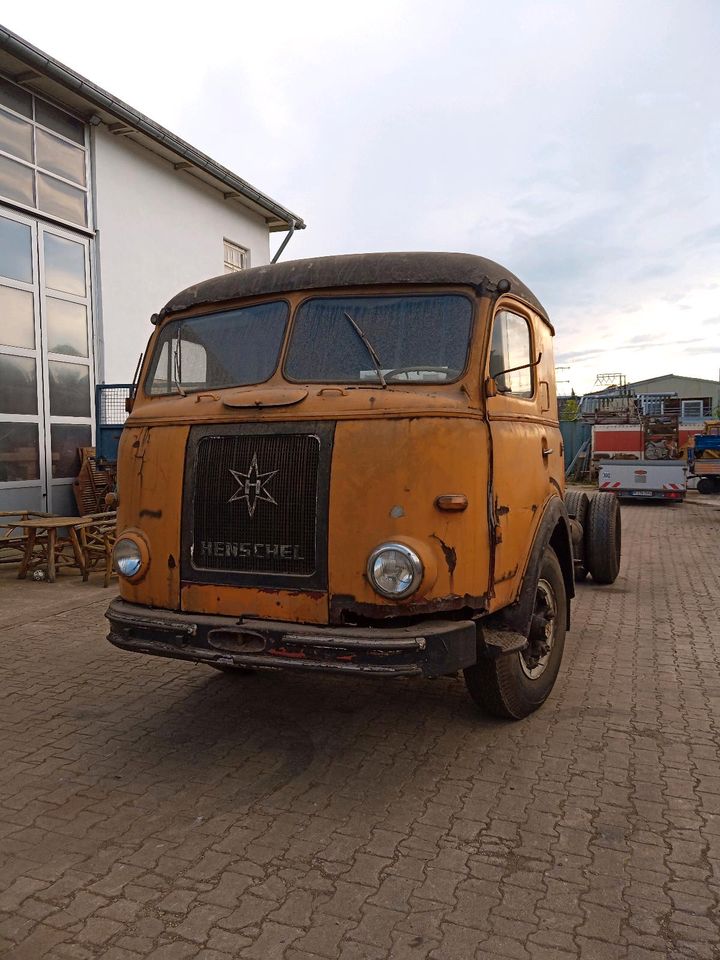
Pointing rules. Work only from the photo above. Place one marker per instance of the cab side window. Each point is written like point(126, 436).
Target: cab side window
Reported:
point(511, 346)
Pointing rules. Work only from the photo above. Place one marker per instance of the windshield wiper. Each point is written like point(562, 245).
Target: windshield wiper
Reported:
point(370, 349)
point(176, 364)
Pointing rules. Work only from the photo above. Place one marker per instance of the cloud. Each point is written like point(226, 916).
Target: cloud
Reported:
point(546, 136)
point(703, 238)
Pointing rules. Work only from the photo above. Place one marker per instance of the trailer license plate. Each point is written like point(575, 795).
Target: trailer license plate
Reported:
point(642, 493)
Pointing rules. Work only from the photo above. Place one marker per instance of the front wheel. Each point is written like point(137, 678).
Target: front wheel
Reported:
point(516, 684)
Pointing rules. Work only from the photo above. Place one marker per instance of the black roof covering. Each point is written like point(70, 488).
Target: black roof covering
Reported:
point(353, 270)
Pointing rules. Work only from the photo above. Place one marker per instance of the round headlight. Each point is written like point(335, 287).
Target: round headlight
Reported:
point(395, 570)
point(127, 558)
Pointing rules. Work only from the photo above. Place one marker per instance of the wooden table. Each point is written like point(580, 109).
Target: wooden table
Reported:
point(41, 527)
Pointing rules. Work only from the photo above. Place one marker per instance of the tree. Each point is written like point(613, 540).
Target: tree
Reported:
point(570, 409)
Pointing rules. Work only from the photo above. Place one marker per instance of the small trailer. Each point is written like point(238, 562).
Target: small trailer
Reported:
point(646, 479)
point(704, 458)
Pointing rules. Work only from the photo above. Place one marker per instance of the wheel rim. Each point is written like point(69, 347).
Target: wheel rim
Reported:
point(535, 658)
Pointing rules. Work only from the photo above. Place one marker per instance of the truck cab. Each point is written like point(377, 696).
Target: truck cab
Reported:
point(351, 464)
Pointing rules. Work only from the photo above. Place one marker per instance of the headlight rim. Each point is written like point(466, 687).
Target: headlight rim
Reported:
point(139, 541)
point(418, 568)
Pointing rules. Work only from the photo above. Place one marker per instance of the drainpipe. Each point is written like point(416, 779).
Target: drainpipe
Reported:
point(286, 241)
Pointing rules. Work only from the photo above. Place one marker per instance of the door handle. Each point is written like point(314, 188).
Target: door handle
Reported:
point(546, 450)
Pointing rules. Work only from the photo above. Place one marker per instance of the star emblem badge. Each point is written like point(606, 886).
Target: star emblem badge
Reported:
point(253, 486)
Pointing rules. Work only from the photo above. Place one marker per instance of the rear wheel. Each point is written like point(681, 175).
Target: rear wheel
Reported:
point(516, 684)
point(603, 538)
point(577, 504)
point(705, 485)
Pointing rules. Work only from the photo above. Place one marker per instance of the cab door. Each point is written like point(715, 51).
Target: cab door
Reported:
point(525, 440)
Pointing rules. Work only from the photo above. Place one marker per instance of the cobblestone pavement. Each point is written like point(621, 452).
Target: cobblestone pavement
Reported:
point(157, 809)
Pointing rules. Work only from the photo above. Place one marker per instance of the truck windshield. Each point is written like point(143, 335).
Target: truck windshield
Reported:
point(229, 349)
point(416, 339)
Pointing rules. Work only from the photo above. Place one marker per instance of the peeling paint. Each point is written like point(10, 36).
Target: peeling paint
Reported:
point(449, 553)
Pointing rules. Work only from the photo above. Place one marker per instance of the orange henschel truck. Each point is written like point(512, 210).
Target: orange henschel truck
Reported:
point(353, 464)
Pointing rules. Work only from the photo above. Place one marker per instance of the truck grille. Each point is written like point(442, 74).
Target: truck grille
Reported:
point(255, 504)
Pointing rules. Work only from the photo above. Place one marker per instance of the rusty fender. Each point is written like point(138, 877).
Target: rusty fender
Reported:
point(554, 531)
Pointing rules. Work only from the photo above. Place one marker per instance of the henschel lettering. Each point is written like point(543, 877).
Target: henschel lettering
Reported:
point(258, 551)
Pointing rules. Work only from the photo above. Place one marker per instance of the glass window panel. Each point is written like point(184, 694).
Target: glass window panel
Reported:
point(511, 347)
point(15, 250)
point(19, 452)
point(18, 100)
point(17, 322)
point(65, 438)
point(59, 121)
point(16, 136)
point(18, 385)
point(61, 200)
point(16, 182)
point(59, 157)
point(69, 389)
point(66, 327)
point(62, 500)
point(225, 349)
point(417, 339)
point(64, 264)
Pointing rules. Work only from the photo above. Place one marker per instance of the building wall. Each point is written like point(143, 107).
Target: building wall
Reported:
point(685, 387)
point(158, 231)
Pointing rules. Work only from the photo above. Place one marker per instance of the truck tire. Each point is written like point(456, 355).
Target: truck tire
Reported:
point(705, 485)
point(577, 504)
point(603, 538)
point(516, 684)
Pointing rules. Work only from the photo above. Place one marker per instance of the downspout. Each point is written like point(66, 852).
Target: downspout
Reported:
point(286, 241)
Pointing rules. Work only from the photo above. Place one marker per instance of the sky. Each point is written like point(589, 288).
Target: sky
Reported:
point(577, 142)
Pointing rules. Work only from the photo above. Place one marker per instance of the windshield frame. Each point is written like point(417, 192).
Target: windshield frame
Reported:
point(154, 359)
point(377, 294)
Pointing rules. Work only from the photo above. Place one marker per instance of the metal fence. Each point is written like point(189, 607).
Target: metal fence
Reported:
point(574, 434)
point(110, 415)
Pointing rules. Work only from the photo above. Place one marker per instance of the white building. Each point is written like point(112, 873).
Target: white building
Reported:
point(104, 215)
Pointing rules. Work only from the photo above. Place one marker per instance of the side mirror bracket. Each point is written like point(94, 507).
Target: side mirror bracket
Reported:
point(491, 384)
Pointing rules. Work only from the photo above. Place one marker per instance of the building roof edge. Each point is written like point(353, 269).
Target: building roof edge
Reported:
point(94, 95)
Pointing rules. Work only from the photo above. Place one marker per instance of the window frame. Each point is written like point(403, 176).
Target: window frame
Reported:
point(154, 355)
point(516, 311)
point(690, 416)
point(38, 170)
point(229, 266)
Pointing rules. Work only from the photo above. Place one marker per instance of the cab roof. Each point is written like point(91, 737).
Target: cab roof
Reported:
point(353, 270)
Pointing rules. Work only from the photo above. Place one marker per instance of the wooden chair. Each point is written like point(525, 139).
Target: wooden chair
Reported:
point(91, 484)
point(97, 533)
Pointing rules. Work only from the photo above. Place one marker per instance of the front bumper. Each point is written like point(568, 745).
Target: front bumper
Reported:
point(432, 648)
